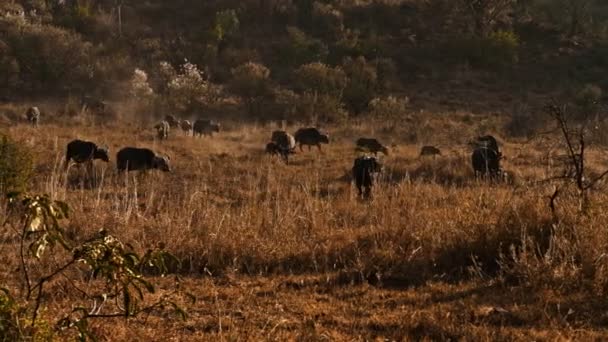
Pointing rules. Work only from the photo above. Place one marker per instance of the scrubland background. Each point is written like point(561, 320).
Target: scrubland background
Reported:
point(288, 252)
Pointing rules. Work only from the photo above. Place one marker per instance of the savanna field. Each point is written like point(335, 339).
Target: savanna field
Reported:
point(289, 252)
point(235, 244)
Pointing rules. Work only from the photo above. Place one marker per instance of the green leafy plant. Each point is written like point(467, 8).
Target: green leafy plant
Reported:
point(252, 82)
point(226, 23)
point(115, 266)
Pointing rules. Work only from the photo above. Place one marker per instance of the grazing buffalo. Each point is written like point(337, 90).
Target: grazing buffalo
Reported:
point(372, 145)
point(81, 151)
point(364, 171)
point(488, 141)
point(33, 116)
point(486, 162)
point(162, 130)
point(486, 157)
point(173, 122)
point(205, 127)
point(274, 148)
point(311, 136)
point(282, 143)
point(132, 158)
point(186, 126)
point(429, 151)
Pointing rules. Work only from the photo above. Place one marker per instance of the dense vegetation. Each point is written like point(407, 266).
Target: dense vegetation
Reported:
point(306, 59)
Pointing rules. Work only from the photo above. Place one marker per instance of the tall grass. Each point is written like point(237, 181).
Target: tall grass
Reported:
point(227, 207)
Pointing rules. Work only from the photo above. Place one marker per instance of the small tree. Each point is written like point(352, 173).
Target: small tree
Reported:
point(48, 255)
point(140, 88)
point(321, 78)
point(226, 23)
point(188, 87)
point(251, 81)
point(303, 49)
point(362, 83)
point(321, 87)
point(388, 109)
point(575, 139)
point(485, 13)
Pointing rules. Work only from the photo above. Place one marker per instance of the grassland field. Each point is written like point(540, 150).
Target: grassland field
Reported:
point(289, 252)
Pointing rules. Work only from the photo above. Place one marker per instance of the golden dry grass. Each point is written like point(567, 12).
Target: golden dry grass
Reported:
point(288, 252)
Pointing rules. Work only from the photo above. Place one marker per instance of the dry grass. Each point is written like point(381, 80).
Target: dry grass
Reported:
point(294, 254)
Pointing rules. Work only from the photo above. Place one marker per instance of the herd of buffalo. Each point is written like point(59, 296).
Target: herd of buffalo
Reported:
point(485, 157)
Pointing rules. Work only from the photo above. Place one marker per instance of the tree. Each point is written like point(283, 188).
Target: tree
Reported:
point(187, 87)
point(485, 13)
point(321, 88)
point(48, 255)
point(362, 83)
point(251, 81)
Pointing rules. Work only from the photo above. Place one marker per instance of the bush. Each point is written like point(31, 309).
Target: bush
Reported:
point(140, 88)
point(497, 50)
point(327, 20)
point(251, 81)
point(9, 321)
point(16, 165)
point(321, 78)
point(389, 108)
point(302, 49)
point(362, 83)
point(186, 88)
point(226, 24)
point(321, 108)
point(47, 57)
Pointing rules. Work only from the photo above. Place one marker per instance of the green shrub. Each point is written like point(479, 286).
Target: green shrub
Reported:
point(16, 165)
point(9, 322)
point(321, 107)
point(497, 50)
point(362, 83)
point(251, 81)
point(47, 57)
point(226, 23)
point(321, 78)
point(302, 49)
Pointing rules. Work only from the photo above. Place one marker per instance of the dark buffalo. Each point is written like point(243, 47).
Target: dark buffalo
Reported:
point(274, 148)
point(205, 127)
point(162, 130)
point(33, 116)
point(372, 145)
point(132, 158)
point(173, 122)
point(186, 126)
point(487, 141)
point(311, 136)
point(82, 151)
point(429, 151)
point(486, 162)
point(486, 157)
point(282, 143)
point(364, 171)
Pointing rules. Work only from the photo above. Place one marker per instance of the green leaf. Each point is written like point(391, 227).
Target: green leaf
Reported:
point(146, 283)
